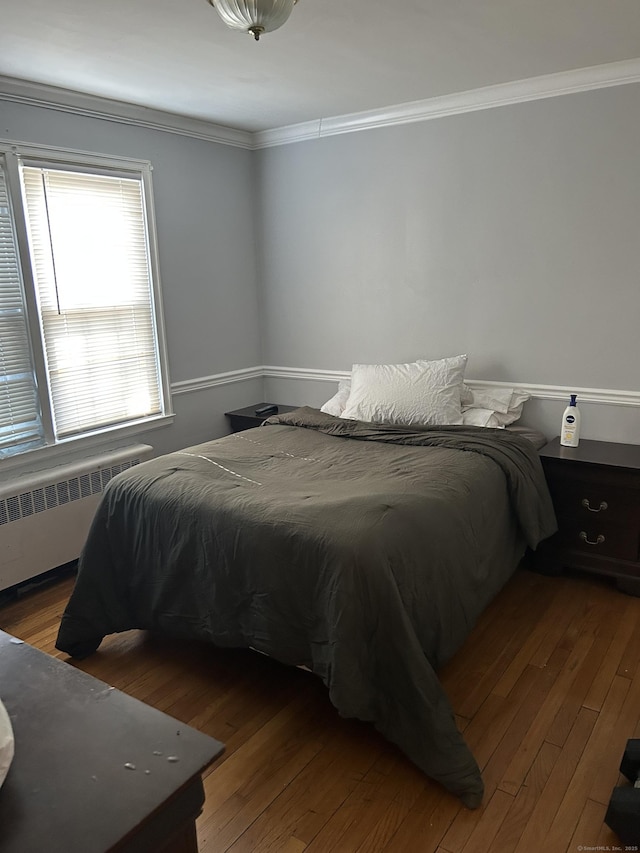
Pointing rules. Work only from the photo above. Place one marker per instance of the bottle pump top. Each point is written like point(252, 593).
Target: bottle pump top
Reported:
point(572, 402)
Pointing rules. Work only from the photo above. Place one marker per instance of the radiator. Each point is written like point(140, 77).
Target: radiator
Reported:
point(45, 517)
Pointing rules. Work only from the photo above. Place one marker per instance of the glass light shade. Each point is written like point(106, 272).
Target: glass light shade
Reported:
point(254, 16)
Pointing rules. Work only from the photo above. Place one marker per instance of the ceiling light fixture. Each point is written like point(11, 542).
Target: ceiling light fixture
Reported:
point(254, 16)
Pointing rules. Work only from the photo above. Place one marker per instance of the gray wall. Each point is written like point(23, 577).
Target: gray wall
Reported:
point(205, 226)
point(510, 234)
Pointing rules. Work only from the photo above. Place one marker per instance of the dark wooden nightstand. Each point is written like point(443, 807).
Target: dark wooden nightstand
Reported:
point(246, 418)
point(596, 494)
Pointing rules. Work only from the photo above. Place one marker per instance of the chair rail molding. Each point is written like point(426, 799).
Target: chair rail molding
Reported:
point(203, 383)
point(601, 396)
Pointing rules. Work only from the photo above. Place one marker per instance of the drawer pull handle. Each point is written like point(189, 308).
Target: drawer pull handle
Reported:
point(603, 505)
point(585, 538)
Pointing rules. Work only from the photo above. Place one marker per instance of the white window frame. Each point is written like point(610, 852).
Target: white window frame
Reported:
point(14, 154)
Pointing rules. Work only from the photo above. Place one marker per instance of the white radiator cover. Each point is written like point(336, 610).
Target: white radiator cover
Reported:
point(45, 517)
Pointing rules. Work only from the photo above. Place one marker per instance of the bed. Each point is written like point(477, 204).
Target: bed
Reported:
point(364, 552)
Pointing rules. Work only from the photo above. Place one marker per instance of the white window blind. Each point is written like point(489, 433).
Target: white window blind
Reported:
point(20, 423)
point(90, 261)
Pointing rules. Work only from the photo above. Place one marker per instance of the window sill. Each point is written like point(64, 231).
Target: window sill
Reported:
point(50, 456)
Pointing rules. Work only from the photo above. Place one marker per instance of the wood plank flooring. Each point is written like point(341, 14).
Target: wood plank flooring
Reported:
point(546, 690)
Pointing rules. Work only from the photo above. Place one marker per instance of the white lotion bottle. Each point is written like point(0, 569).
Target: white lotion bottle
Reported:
point(570, 431)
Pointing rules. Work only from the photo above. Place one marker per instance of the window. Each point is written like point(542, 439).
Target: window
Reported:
point(20, 422)
point(80, 325)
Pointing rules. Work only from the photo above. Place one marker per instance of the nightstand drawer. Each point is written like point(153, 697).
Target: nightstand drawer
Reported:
point(598, 537)
point(596, 494)
point(592, 500)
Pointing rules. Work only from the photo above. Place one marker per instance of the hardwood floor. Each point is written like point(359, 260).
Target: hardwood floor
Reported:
point(546, 689)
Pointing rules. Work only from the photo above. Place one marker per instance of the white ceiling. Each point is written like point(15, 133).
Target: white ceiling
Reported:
point(331, 58)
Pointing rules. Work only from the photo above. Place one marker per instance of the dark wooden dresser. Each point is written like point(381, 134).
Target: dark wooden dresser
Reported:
point(596, 494)
point(94, 770)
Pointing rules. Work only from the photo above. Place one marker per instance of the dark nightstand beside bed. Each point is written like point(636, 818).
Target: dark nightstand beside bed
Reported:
point(94, 770)
point(247, 419)
point(596, 494)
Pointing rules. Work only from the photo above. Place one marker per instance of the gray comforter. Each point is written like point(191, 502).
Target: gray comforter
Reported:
point(365, 552)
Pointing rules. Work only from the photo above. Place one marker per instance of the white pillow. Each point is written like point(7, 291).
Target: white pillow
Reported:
point(492, 406)
point(479, 417)
point(509, 417)
point(6, 743)
point(496, 398)
point(335, 406)
point(414, 394)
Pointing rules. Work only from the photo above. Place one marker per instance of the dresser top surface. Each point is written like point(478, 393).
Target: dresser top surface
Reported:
point(91, 763)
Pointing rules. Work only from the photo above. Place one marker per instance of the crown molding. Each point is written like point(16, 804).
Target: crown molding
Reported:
point(488, 97)
point(303, 132)
point(121, 112)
